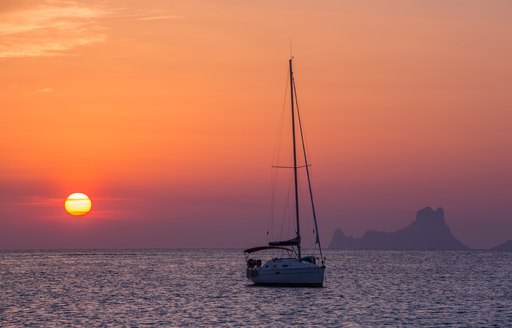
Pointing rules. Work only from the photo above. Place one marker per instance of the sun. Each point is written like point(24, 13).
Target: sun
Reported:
point(78, 204)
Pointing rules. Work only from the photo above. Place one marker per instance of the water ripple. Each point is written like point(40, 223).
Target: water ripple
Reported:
point(190, 288)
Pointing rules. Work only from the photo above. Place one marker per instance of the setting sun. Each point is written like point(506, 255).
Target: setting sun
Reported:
point(78, 204)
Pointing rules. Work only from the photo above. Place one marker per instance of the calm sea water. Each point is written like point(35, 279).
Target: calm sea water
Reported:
point(208, 288)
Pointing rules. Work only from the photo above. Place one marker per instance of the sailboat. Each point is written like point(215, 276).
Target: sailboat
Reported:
point(294, 269)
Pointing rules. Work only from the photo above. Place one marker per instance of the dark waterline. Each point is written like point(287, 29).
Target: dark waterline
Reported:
point(204, 287)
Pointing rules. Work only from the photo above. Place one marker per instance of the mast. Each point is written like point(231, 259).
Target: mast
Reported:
point(292, 97)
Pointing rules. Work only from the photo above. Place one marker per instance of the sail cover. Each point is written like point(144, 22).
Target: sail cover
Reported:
point(291, 242)
point(262, 248)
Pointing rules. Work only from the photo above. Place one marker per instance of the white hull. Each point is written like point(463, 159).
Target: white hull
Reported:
point(287, 272)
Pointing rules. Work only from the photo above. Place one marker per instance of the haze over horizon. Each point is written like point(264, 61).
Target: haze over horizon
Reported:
point(166, 114)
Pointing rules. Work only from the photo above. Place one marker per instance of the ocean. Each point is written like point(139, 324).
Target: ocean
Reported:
point(207, 287)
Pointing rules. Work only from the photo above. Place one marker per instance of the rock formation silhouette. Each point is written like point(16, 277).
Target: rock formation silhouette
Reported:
point(428, 232)
point(506, 246)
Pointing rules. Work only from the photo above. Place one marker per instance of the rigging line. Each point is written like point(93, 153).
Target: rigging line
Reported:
point(288, 167)
point(272, 198)
point(306, 222)
point(276, 204)
point(307, 171)
point(281, 191)
point(276, 157)
point(288, 211)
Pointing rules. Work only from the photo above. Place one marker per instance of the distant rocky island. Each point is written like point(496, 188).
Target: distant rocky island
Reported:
point(506, 246)
point(428, 232)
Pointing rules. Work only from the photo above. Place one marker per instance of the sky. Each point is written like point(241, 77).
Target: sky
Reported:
point(166, 114)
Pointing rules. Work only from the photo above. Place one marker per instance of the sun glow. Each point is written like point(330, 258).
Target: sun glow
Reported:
point(78, 204)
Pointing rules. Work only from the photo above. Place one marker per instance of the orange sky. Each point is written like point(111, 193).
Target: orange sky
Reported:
point(166, 114)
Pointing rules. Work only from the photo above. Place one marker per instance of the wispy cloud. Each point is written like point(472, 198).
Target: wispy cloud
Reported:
point(41, 91)
point(158, 17)
point(45, 90)
point(48, 28)
point(143, 14)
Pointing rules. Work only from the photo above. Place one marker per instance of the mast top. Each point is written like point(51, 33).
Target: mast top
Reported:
point(291, 48)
